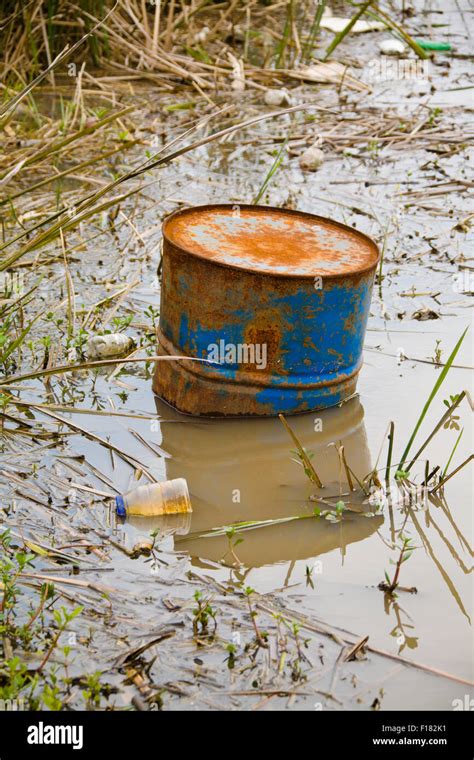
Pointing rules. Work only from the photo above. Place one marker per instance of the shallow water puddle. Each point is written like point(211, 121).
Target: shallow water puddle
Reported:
point(244, 470)
point(396, 180)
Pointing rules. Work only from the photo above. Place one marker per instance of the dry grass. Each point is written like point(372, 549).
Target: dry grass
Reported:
point(185, 40)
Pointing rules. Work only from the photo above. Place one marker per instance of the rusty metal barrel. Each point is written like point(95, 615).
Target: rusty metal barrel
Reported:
point(274, 302)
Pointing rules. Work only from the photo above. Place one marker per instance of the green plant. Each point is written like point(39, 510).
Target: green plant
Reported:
point(12, 564)
point(203, 616)
point(435, 113)
point(22, 626)
point(443, 474)
point(272, 171)
point(452, 421)
point(307, 50)
point(92, 692)
point(231, 655)
point(261, 637)
point(152, 314)
point(18, 683)
point(121, 323)
point(62, 618)
point(331, 515)
point(296, 662)
point(286, 40)
point(52, 693)
point(344, 32)
point(405, 551)
point(303, 456)
point(232, 543)
point(427, 405)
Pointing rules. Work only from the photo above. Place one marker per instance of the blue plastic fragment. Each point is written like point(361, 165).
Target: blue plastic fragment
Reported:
point(120, 506)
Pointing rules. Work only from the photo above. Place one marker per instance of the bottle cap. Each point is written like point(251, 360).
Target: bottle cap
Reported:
point(120, 506)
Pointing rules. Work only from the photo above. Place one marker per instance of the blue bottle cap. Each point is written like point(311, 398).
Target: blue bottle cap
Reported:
point(120, 506)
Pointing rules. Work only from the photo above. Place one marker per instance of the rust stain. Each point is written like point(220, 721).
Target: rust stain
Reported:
point(248, 279)
point(273, 241)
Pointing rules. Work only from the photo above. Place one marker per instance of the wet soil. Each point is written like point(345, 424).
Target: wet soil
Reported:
point(413, 196)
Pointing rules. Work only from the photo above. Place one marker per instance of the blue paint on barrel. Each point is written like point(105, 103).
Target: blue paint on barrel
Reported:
point(283, 343)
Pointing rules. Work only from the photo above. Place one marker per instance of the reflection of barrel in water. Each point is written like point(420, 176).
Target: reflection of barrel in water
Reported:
point(244, 469)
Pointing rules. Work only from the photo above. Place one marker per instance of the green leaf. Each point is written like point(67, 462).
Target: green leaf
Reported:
point(433, 393)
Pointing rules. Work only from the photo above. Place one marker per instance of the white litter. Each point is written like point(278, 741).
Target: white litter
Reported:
point(336, 24)
point(333, 71)
point(103, 346)
point(391, 47)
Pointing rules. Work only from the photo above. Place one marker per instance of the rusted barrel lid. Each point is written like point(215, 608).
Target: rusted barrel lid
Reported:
point(271, 241)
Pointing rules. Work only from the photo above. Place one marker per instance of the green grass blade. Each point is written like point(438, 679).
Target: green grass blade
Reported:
point(314, 29)
point(273, 170)
point(443, 474)
point(144, 167)
point(433, 393)
point(340, 35)
point(379, 14)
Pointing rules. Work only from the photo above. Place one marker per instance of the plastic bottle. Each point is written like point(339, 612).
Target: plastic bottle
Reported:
point(433, 44)
point(167, 525)
point(168, 498)
point(103, 346)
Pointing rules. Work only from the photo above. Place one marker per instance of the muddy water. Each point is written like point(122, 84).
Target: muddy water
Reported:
point(243, 470)
point(240, 470)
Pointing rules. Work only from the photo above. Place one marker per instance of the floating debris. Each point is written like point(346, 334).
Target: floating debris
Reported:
point(337, 24)
point(113, 344)
point(202, 35)
point(391, 47)
point(142, 548)
point(332, 71)
point(433, 45)
point(423, 314)
point(168, 498)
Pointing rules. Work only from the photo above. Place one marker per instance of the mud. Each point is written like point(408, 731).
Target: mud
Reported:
point(413, 196)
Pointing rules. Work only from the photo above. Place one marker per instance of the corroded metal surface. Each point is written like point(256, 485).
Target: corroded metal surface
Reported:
point(306, 315)
point(275, 241)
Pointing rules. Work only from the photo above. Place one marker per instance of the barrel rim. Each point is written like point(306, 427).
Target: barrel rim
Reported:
point(261, 272)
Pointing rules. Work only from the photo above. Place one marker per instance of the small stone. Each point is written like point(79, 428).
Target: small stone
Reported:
point(311, 159)
point(202, 35)
point(276, 98)
point(391, 47)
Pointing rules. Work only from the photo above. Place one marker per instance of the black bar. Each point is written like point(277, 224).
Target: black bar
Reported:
point(136, 735)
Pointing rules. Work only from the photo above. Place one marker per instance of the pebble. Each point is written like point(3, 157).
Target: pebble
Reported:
point(276, 98)
point(391, 47)
point(312, 158)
